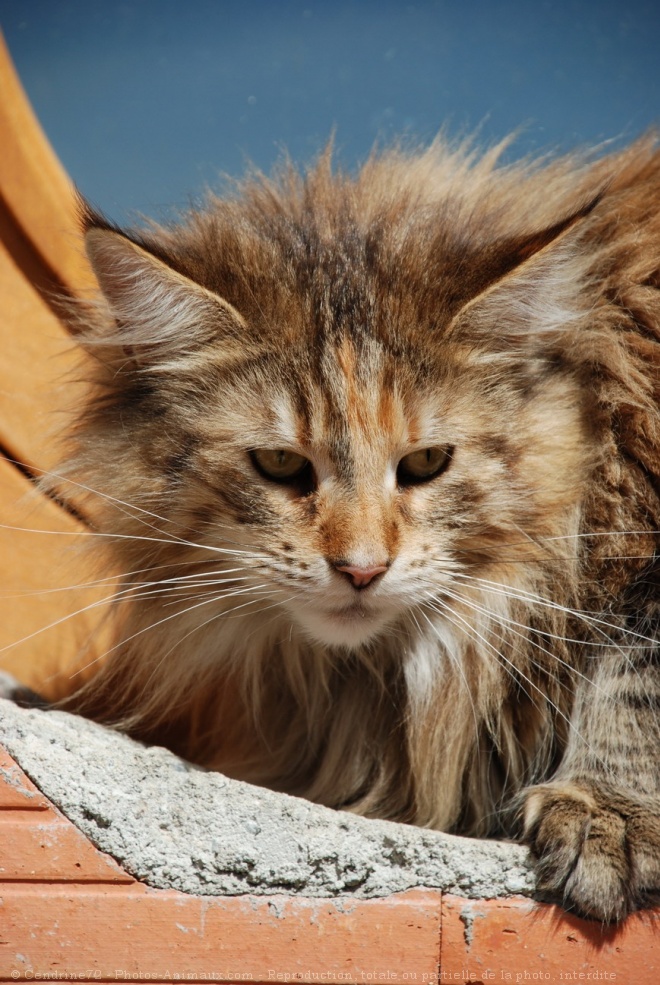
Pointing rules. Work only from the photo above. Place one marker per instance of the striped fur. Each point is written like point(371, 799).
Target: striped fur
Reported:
point(508, 316)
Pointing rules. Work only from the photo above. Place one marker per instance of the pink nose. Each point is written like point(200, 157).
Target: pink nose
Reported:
point(362, 576)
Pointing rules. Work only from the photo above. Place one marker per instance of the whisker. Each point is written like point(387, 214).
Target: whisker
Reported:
point(544, 542)
point(135, 537)
point(120, 579)
point(115, 597)
point(160, 622)
point(590, 618)
point(505, 620)
point(196, 628)
point(458, 666)
point(510, 667)
point(128, 509)
point(606, 642)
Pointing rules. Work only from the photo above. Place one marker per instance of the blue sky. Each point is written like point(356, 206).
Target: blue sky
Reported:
point(148, 101)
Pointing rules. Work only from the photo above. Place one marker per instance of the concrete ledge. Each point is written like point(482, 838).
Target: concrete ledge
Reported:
point(174, 826)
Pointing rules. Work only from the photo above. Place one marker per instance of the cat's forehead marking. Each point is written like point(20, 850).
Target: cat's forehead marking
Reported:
point(387, 407)
point(346, 357)
point(285, 421)
point(357, 399)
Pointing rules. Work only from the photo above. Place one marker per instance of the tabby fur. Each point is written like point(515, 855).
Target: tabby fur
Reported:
point(502, 676)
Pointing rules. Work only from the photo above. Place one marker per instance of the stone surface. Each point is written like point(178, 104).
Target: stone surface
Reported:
point(175, 826)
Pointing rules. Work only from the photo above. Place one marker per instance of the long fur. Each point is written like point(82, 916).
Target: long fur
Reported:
point(507, 314)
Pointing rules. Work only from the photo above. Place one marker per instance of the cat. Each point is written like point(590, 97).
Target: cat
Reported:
point(378, 458)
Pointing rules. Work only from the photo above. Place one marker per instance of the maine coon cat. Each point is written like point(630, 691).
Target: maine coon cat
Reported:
point(378, 458)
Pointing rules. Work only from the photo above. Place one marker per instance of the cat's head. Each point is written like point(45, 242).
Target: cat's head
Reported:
point(362, 418)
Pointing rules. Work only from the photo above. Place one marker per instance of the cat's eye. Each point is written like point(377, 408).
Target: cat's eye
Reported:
point(423, 465)
point(279, 464)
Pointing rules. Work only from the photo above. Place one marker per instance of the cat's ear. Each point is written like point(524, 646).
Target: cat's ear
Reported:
point(161, 318)
point(530, 291)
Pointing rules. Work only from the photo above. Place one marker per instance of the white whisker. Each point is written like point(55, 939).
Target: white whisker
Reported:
point(516, 672)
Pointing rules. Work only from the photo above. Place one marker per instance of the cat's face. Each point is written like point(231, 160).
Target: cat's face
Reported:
point(367, 470)
point(414, 483)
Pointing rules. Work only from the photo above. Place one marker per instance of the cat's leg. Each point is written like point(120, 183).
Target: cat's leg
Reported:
point(595, 827)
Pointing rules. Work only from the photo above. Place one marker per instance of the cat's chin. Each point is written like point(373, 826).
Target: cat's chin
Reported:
point(350, 627)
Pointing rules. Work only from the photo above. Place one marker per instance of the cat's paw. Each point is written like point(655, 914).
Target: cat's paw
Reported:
point(597, 848)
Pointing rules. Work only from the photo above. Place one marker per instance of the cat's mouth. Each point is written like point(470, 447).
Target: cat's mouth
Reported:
point(350, 625)
point(349, 613)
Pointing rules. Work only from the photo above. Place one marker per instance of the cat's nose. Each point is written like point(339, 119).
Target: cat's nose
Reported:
point(361, 577)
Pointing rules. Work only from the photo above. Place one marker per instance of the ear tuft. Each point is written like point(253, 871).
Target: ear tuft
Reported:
point(159, 314)
point(532, 287)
